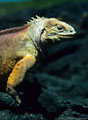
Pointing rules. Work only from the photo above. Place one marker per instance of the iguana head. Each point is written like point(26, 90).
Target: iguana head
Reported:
point(42, 29)
point(55, 30)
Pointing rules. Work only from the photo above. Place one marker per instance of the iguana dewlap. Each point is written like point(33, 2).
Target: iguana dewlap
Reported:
point(19, 48)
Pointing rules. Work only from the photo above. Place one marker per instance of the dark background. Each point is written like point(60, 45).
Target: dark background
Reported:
point(57, 87)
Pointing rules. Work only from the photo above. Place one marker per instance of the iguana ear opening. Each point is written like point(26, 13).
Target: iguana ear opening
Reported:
point(43, 36)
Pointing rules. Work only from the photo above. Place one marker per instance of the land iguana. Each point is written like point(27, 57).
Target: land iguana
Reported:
point(19, 48)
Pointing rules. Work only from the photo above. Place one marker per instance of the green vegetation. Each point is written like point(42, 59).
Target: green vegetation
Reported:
point(11, 7)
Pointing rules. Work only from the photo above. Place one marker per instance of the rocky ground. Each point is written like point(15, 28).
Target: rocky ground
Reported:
point(57, 87)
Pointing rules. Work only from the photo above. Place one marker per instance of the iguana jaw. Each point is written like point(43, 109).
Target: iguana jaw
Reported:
point(67, 34)
point(57, 36)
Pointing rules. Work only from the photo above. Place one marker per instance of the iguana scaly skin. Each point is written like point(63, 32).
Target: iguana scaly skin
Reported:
point(19, 48)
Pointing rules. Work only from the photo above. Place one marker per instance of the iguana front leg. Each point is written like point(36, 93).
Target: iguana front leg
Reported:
point(17, 75)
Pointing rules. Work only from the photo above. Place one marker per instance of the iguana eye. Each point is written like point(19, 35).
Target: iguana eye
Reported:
point(60, 28)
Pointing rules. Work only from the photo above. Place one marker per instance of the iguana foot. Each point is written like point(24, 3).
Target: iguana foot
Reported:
point(13, 93)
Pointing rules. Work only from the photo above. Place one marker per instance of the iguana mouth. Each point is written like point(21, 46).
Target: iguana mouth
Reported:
point(67, 35)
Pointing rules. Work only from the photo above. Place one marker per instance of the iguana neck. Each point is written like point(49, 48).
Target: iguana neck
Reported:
point(35, 30)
